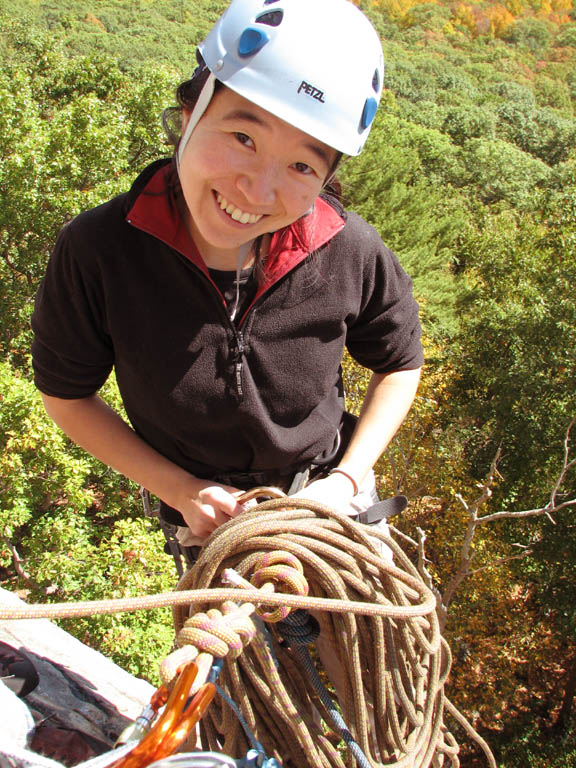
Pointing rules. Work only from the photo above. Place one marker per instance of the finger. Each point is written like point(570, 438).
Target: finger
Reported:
point(199, 524)
point(224, 504)
point(220, 517)
point(236, 509)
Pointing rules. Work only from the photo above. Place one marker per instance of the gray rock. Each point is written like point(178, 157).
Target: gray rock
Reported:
point(79, 689)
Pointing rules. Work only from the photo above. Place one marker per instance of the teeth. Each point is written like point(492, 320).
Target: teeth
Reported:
point(235, 213)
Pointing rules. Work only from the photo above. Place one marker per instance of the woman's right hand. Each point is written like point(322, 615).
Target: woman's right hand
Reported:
point(102, 432)
point(208, 506)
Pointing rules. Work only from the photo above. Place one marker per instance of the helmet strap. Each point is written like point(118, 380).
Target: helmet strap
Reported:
point(241, 257)
point(200, 107)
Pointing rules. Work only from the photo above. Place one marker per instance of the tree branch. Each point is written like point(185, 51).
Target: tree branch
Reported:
point(501, 560)
point(14, 269)
point(466, 554)
point(18, 562)
point(427, 576)
point(553, 504)
point(475, 519)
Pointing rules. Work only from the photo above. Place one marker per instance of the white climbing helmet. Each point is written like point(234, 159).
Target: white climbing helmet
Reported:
point(317, 64)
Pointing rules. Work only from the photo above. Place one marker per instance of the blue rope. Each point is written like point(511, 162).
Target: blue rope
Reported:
point(249, 735)
point(299, 629)
point(255, 757)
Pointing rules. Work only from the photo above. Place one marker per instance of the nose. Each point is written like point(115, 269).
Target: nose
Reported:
point(259, 184)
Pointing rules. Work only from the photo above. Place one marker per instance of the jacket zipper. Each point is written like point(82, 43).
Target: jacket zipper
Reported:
point(238, 359)
point(239, 346)
point(238, 349)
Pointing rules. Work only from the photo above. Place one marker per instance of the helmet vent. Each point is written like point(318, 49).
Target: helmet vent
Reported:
point(272, 18)
point(376, 81)
point(369, 113)
point(251, 41)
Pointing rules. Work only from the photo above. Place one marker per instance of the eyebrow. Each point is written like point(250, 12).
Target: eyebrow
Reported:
point(250, 117)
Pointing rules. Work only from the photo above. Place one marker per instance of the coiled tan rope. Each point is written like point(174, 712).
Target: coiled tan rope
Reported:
point(388, 668)
point(379, 643)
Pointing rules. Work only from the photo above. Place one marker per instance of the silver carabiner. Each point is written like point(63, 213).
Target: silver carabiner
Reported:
point(196, 760)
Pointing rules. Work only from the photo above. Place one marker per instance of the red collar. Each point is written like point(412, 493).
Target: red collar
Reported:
point(156, 213)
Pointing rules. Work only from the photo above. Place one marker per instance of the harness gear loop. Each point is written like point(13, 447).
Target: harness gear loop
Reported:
point(168, 530)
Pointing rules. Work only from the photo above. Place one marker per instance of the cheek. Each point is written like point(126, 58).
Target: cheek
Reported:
point(302, 200)
point(205, 161)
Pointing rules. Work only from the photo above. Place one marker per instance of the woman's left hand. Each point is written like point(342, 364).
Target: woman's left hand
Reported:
point(334, 491)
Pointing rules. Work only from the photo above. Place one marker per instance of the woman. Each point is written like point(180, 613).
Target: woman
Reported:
point(224, 287)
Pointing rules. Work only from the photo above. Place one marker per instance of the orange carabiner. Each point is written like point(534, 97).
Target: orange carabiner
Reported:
point(193, 714)
point(174, 724)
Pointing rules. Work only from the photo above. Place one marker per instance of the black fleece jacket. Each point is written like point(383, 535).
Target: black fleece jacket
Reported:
point(126, 288)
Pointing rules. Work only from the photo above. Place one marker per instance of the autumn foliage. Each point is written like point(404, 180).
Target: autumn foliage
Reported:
point(470, 176)
point(484, 18)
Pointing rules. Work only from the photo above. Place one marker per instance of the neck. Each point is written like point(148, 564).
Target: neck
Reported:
point(221, 258)
point(241, 258)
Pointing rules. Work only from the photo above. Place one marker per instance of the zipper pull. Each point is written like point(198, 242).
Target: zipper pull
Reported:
point(238, 362)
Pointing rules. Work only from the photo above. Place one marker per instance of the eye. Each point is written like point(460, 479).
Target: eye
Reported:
point(243, 138)
point(303, 168)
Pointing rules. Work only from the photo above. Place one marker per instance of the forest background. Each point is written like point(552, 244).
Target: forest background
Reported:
point(470, 176)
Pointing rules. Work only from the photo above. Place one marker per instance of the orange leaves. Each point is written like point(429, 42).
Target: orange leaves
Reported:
point(491, 19)
point(397, 9)
point(500, 19)
point(91, 19)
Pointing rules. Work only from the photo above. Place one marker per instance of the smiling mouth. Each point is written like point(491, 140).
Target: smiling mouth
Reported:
point(242, 217)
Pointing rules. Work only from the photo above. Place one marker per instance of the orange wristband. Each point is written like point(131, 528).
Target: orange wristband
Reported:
point(343, 472)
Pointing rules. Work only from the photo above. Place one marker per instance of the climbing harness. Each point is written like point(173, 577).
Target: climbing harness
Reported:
point(354, 676)
point(168, 529)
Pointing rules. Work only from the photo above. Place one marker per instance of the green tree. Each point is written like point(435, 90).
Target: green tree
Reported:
point(515, 348)
point(534, 34)
point(389, 186)
point(539, 131)
point(74, 133)
point(71, 529)
point(553, 92)
point(470, 122)
point(495, 171)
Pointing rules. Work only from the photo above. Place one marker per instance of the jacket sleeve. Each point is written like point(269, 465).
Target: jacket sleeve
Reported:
point(72, 353)
point(385, 336)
